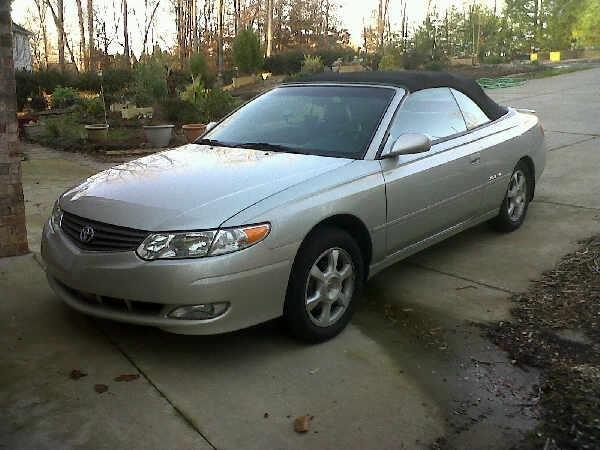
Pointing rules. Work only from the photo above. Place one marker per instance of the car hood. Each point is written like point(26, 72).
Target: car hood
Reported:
point(191, 187)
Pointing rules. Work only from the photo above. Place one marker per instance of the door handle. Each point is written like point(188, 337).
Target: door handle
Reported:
point(476, 159)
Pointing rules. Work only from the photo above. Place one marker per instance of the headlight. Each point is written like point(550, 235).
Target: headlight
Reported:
point(197, 244)
point(56, 216)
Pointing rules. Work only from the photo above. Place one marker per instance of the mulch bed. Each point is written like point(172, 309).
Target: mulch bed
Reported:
point(556, 327)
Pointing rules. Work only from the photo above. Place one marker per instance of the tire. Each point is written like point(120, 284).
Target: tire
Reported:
point(315, 288)
point(516, 201)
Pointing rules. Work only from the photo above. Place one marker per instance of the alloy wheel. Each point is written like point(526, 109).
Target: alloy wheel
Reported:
point(517, 195)
point(329, 287)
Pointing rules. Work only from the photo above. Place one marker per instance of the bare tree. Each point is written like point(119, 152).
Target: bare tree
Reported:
point(382, 20)
point(82, 47)
point(269, 27)
point(90, 26)
point(59, 21)
point(149, 22)
point(126, 32)
point(220, 44)
point(41, 11)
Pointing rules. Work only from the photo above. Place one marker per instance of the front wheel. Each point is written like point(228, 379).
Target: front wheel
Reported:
point(516, 201)
point(326, 278)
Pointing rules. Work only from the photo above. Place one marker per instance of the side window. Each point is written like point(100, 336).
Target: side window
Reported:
point(474, 116)
point(433, 112)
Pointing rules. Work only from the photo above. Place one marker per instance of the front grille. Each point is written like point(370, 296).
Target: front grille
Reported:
point(105, 237)
point(116, 304)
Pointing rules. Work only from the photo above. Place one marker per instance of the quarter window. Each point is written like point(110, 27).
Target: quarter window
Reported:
point(473, 115)
point(433, 112)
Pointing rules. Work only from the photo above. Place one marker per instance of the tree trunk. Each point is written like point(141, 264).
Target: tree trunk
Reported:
point(41, 9)
point(220, 44)
point(126, 32)
point(59, 22)
point(82, 47)
point(148, 26)
point(269, 27)
point(60, 25)
point(90, 27)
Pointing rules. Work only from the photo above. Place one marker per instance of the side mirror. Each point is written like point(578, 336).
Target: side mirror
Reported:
point(210, 126)
point(409, 144)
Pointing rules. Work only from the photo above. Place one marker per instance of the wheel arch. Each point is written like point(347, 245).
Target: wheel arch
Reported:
point(355, 227)
point(531, 167)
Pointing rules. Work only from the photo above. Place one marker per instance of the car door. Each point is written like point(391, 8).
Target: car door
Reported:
point(430, 192)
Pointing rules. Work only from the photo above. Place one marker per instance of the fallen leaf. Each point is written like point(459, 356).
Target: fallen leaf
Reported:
point(76, 374)
point(100, 388)
point(127, 377)
point(302, 424)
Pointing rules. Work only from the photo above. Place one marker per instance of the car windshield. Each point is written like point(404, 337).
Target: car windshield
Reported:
point(337, 121)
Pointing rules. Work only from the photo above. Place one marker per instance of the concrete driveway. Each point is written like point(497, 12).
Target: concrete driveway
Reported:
point(410, 369)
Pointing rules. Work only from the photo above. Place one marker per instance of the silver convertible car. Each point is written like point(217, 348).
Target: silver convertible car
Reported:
point(289, 204)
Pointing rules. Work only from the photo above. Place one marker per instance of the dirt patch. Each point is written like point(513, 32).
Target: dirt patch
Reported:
point(556, 328)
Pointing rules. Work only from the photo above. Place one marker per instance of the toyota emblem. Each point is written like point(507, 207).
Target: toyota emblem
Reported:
point(86, 234)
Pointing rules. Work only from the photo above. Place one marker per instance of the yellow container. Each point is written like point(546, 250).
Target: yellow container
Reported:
point(554, 56)
point(533, 57)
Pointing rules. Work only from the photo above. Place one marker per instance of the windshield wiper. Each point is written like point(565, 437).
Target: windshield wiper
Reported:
point(214, 142)
point(267, 146)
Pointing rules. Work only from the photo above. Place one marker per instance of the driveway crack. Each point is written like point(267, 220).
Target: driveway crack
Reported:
point(470, 280)
point(568, 205)
point(182, 415)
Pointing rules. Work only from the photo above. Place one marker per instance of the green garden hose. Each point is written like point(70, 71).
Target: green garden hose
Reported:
point(502, 82)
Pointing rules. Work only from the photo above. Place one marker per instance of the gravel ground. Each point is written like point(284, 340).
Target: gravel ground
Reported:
point(556, 328)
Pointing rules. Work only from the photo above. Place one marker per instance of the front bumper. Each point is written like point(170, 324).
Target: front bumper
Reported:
point(252, 281)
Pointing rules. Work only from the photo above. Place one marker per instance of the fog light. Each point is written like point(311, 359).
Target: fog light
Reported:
point(199, 312)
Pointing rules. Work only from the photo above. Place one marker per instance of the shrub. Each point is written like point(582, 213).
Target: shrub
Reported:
point(64, 132)
point(330, 55)
point(312, 64)
point(199, 68)
point(178, 111)
point(115, 82)
point(194, 92)
point(246, 52)
point(87, 81)
point(63, 97)
point(150, 83)
point(285, 63)
point(216, 104)
point(90, 109)
point(33, 84)
point(493, 59)
point(388, 62)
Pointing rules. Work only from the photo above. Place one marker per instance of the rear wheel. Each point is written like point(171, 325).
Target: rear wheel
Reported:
point(326, 278)
point(516, 201)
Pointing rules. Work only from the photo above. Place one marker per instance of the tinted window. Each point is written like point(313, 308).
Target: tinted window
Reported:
point(473, 115)
point(322, 120)
point(432, 112)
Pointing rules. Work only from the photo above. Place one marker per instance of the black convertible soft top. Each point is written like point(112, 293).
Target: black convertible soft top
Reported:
point(415, 81)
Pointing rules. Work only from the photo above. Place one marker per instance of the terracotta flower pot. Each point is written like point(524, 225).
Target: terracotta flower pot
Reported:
point(193, 131)
point(97, 133)
point(158, 135)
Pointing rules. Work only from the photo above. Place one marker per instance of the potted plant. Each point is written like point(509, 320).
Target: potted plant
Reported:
point(97, 133)
point(194, 93)
point(151, 87)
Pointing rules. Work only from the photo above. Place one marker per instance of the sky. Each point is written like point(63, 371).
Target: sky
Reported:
point(353, 13)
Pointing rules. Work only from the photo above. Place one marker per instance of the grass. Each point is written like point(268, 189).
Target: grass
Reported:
point(553, 71)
